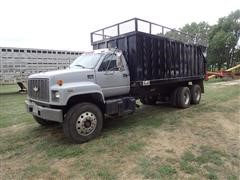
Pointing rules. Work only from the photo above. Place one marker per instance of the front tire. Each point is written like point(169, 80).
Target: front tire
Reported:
point(83, 122)
point(44, 122)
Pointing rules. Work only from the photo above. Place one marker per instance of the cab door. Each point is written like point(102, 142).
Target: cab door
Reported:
point(113, 78)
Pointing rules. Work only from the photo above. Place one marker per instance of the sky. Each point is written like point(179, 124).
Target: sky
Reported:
point(67, 24)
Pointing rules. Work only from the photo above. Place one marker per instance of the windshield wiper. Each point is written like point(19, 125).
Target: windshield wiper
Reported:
point(79, 65)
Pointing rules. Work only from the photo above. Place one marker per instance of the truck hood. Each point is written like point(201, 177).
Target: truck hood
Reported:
point(67, 75)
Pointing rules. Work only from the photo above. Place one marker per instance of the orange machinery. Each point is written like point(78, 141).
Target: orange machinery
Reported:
point(224, 73)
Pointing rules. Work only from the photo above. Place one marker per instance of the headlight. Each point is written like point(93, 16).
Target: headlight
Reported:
point(55, 95)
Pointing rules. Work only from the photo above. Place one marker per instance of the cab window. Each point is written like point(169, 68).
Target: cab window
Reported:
point(109, 63)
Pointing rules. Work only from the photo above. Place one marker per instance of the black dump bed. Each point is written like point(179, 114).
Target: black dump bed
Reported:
point(155, 58)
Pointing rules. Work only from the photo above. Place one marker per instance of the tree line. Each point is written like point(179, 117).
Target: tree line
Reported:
point(222, 40)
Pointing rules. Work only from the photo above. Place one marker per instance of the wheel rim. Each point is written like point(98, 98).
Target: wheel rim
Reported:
point(86, 123)
point(186, 98)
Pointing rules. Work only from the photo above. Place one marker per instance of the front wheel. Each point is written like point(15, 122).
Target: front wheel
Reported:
point(83, 122)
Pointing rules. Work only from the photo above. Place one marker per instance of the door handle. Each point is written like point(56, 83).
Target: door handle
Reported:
point(109, 73)
point(125, 75)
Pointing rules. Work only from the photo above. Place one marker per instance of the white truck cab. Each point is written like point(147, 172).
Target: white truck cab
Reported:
point(93, 77)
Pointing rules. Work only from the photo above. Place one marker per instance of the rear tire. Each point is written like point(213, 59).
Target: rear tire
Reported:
point(183, 97)
point(83, 122)
point(173, 98)
point(44, 122)
point(195, 94)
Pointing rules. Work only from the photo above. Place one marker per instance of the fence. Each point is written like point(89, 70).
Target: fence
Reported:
point(16, 64)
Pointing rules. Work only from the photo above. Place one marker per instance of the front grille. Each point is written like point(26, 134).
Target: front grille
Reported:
point(38, 89)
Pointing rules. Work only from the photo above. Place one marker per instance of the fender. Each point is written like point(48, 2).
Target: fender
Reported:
point(69, 90)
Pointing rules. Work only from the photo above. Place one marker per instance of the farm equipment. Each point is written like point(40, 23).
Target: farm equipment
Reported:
point(231, 72)
point(23, 88)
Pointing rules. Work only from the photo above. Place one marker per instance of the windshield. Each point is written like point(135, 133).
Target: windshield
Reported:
point(88, 61)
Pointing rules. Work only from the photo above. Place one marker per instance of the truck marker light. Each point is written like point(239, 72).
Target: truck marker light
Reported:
point(60, 82)
point(146, 83)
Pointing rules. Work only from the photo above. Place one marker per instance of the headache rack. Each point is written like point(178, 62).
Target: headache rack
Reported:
point(140, 25)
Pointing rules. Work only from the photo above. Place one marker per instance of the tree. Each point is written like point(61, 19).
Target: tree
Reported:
point(199, 31)
point(194, 32)
point(223, 38)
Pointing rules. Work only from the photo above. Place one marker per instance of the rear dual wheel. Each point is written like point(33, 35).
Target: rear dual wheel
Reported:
point(182, 97)
point(195, 94)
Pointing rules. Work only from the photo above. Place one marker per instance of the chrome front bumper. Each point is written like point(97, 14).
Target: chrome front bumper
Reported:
point(46, 113)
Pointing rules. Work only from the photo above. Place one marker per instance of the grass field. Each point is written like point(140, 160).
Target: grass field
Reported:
point(157, 142)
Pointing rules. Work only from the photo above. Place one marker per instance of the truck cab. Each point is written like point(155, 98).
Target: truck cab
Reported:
point(95, 79)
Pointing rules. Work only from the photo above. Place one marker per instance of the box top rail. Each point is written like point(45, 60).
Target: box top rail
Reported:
point(140, 25)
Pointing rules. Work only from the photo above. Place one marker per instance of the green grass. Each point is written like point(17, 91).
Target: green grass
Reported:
point(135, 146)
point(105, 174)
point(12, 110)
point(187, 167)
point(188, 156)
point(210, 155)
point(211, 176)
point(8, 89)
point(60, 151)
point(233, 177)
point(138, 146)
point(35, 170)
point(209, 159)
point(146, 168)
point(167, 170)
point(215, 80)
point(154, 168)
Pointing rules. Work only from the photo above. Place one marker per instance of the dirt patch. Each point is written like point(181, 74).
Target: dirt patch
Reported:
point(225, 83)
point(9, 167)
point(62, 166)
point(176, 142)
point(15, 129)
point(229, 83)
point(129, 172)
point(17, 168)
point(212, 129)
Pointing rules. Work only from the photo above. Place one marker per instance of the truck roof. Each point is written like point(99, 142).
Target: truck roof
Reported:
point(104, 50)
point(140, 25)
